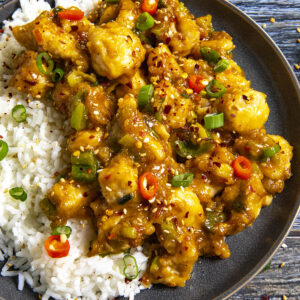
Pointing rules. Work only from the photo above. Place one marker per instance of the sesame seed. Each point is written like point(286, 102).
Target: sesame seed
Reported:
point(146, 208)
point(76, 153)
point(182, 222)
point(284, 246)
point(140, 220)
point(24, 166)
point(96, 112)
point(108, 188)
point(264, 26)
point(165, 208)
point(81, 148)
point(167, 231)
point(139, 144)
point(104, 218)
point(272, 20)
point(146, 140)
point(52, 194)
point(125, 211)
point(151, 200)
point(284, 297)
point(154, 210)
point(208, 209)
point(184, 75)
point(96, 151)
point(165, 202)
point(158, 202)
point(97, 129)
point(82, 225)
point(297, 67)
point(282, 264)
point(189, 157)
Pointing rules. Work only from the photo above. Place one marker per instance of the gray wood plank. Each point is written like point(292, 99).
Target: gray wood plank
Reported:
point(278, 281)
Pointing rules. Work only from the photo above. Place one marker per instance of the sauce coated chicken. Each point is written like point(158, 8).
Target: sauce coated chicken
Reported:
point(168, 149)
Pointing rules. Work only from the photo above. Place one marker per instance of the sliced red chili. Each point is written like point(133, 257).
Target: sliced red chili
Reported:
point(71, 14)
point(242, 167)
point(148, 185)
point(149, 6)
point(55, 248)
point(195, 83)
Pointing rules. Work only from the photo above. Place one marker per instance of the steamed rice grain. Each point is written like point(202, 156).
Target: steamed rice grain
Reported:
point(35, 155)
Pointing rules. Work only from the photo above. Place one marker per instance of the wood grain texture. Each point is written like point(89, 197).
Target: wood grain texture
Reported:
point(278, 281)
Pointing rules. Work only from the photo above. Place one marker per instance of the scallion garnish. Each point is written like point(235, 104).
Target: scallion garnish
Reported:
point(209, 55)
point(3, 149)
point(212, 121)
point(57, 75)
point(18, 193)
point(131, 270)
point(183, 180)
point(44, 56)
point(271, 151)
point(145, 95)
point(19, 113)
point(215, 89)
point(58, 230)
point(125, 199)
point(112, 1)
point(78, 117)
point(187, 150)
point(221, 66)
point(144, 22)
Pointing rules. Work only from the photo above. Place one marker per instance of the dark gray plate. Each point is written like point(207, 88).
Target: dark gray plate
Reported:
point(270, 73)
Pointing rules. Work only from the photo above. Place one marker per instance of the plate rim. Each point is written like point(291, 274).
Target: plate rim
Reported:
point(296, 210)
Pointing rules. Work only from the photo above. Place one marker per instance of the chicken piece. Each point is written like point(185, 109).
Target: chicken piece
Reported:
point(71, 198)
point(180, 32)
point(170, 105)
point(43, 33)
point(118, 179)
point(244, 200)
point(205, 26)
point(85, 139)
point(233, 78)
point(201, 67)
point(62, 96)
point(100, 107)
point(117, 231)
point(115, 50)
point(133, 86)
point(162, 63)
point(128, 14)
point(27, 77)
point(216, 164)
point(188, 33)
point(174, 266)
point(244, 110)
point(130, 122)
point(219, 41)
point(279, 166)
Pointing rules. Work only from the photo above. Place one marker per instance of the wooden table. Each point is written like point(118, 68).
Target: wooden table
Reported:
point(283, 277)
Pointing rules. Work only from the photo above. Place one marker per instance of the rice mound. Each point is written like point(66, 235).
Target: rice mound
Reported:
point(35, 155)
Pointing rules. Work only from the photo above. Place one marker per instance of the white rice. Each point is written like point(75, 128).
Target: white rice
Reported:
point(35, 155)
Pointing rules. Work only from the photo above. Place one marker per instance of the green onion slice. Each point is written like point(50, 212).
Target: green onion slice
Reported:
point(145, 95)
point(184, 149)
point(84, 158)
point(154, 265)
point(19, 113)
point(44, 56)
point(213, 218)
point(57, 75)
point(271, 151)
point(79, 116)
point(131, 270)
point(112, 1)
point(212, 121)
point(3, 149)
point(183, 179)
point(144, 22)
point(125, 199)
point(84, 173)
point(18, 193)
point(209, 55)
point(58, 230)
point(215, 89)
point(221, 66)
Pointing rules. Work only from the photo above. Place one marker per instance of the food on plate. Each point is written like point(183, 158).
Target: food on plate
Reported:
point(166, 148)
